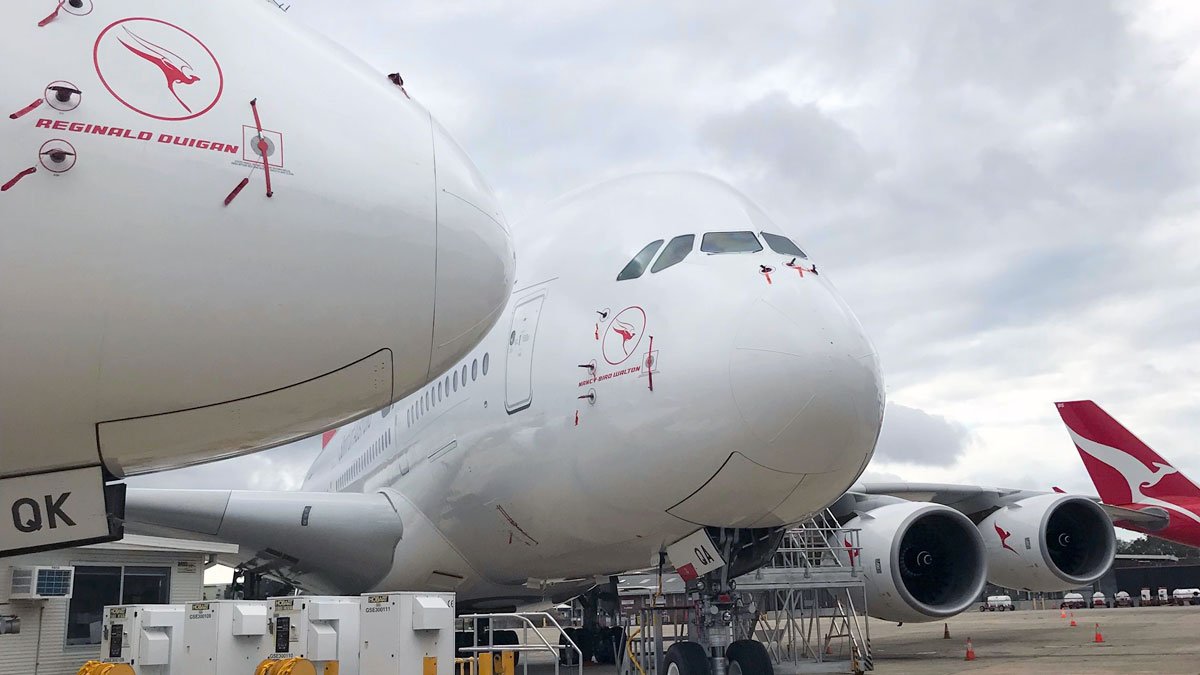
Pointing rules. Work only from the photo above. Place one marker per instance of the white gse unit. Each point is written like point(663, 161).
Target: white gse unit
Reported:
point(407, 633)
point(225, 636)
point(149, 638)
point(321, 629)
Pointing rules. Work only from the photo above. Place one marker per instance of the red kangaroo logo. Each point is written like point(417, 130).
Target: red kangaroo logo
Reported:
point(851, 550)
point(1004, 538)
point(173, 66)
point(626, 332)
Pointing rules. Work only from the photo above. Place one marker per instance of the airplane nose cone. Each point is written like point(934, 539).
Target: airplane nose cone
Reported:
point(475, 263)
point(806, 381)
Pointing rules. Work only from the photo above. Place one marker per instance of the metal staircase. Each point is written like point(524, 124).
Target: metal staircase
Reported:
point(808, 608)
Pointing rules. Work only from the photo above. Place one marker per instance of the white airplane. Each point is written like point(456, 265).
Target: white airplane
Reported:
point(220, 233)
point(673, 375)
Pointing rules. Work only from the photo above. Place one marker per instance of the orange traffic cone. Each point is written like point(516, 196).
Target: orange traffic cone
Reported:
point(1073, 624)
point(970, 651)
point(1099, 638)
point(1063, 613)
point(946, 633)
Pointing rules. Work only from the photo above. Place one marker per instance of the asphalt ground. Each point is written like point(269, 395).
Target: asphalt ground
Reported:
point(1159, 640)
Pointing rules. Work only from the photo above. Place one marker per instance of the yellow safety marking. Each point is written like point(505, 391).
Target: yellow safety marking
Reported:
point(430, 666)
point(331, 668)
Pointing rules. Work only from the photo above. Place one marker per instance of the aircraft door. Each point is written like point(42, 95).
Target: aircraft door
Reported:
point(518, 384)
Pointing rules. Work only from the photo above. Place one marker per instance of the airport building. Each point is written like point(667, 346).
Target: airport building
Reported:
point(54, 600)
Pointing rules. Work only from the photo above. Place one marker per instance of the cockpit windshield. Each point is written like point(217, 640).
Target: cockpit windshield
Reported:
point(636, 267)
point(730, 242)
point(675, 252)
point(783, 245)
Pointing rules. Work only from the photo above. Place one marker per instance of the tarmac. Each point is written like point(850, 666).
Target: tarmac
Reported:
point(1159, 640)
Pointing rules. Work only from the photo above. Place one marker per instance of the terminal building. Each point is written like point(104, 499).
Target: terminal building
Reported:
point(51, 604)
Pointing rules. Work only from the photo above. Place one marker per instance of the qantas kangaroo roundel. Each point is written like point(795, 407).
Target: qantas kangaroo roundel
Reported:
point(624, 334)
point(158, 69)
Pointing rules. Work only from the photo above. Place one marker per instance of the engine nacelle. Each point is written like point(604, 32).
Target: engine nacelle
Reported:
point(1051, 542)
point(921, 561)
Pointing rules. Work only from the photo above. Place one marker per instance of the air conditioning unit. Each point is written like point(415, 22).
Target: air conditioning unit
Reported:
point(41, 583)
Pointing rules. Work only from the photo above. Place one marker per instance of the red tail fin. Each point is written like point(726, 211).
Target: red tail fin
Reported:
point(1124, 469)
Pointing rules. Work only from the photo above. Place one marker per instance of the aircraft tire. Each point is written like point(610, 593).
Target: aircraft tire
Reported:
point(687, 658)
point(748, 657)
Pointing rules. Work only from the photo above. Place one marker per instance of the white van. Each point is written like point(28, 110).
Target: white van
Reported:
point(1099, 600)
point(1186, 596)
point(998, 603)
point(1073, 601)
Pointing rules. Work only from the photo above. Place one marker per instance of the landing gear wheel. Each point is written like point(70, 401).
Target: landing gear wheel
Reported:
point(748, 657)
point(566, 654)
point(687, 658)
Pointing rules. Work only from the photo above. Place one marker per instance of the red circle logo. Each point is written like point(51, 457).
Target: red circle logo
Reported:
point(158, 69)
point(623, 335)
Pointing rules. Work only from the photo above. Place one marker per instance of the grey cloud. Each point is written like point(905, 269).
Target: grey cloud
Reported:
point(914, 436)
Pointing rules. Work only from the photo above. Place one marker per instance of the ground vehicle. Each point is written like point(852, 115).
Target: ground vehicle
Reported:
point(998, 603)
point(1186, 596)
point(1122, 599)
point(1099, 600)
point(1072, 601)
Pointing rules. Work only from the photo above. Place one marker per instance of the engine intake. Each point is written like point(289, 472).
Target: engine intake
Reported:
point(1051, 542)
point(921, 561)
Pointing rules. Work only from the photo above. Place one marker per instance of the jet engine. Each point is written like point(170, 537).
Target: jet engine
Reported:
point(921, 561)
point(1052, 542)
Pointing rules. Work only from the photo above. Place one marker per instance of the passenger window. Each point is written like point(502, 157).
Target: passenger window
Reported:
point(730, 242)
point(675, 252)
point(637, 266)
point(782, 245)
point(486, 358)
point(456, 380)
point(474, 369)
point(464, 377)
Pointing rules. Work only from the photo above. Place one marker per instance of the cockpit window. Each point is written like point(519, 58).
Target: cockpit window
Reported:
point(637, 266)
point(782, 245)
point(675, 252)
point(730, 242)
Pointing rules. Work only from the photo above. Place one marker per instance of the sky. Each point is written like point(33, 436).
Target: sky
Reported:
point(1005, 192)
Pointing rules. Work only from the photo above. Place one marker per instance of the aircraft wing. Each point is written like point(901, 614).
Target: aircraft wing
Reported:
point(976, 499)
point(311, 539)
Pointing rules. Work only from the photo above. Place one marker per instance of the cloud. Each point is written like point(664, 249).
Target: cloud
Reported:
point(281, 468)
point(914, 436)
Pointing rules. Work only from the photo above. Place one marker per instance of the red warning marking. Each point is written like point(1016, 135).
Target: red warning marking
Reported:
point(236, 191)
point(53, 15)
point(262, 146)
point(597, 331)
point(26, 110)
point(576, 418)
point(687, 572)
point(768, 276)
point(327, 436)
point(8, 186)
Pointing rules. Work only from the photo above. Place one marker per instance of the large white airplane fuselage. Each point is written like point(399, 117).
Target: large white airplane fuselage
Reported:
point(164, 299)
point(601, 420)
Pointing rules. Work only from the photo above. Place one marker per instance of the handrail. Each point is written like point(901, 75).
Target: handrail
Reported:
point(524, 616)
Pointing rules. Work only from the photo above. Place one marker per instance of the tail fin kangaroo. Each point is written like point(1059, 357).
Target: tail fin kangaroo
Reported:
point(1120, 464)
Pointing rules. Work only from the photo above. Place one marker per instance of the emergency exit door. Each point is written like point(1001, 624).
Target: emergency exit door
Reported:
point(518, 384)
